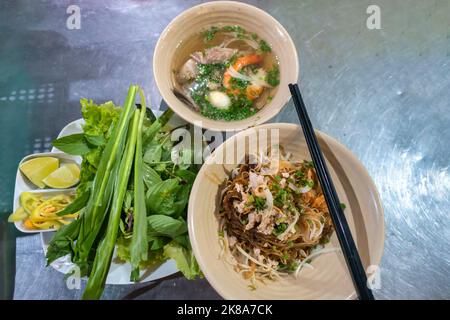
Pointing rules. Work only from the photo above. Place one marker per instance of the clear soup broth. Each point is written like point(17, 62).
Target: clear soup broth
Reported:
point(226, 73)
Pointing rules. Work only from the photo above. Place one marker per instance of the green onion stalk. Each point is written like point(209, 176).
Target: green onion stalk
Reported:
point(139, 241)
point(103, 256)
point(92, 219)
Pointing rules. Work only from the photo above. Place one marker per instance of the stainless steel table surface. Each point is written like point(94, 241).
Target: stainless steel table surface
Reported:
point(385, 94)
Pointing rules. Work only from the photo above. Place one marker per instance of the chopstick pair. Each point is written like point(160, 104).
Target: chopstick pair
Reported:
point(343, 233)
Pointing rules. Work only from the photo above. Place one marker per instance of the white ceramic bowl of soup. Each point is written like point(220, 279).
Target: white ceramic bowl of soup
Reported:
point(187, 25)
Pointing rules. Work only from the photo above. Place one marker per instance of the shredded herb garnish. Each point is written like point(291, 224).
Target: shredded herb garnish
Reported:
point(264, 46)
point(210, 33)
point(273, 76)
point(260, 203)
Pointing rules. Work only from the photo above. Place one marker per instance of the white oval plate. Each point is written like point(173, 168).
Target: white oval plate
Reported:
point(119, 273)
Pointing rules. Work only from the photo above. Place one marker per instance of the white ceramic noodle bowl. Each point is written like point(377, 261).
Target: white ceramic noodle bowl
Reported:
point(330, 278)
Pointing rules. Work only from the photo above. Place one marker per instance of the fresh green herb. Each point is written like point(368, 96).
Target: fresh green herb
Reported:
point(210, 72)
point(104, 182)
point(308, 164)
point(269, 98)
point(325, 239)
point(104, 252)
point(139, 242)
point(164, 226)
point(234, 28)
point(239, 84)
point(98, 118)
point(75, 206)
point(240, 108)
point(293, 209)
point(153, 153)
point(63, 242)
point(95, 141)
point(184, 259)
point(278, 178)
point(149, 175)
point(260, 203)
point(264, 46)
point(253, 68)
point(240, 32)
point(254, 36)
point(209, 34)
point(280, 198)
point(290, 267)
point(99, 121)
point(309, 183)
point(75, 144)
point(161, 197)
point(300, 174)
point(343, 206)
point(273, 76)
point(114, 203)
point(279, 229)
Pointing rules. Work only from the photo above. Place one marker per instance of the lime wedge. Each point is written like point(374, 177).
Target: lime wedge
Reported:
point(65, 176)
point(38, 168)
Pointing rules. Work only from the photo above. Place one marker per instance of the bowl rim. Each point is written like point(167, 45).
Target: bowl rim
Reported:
point(217, 125)
point(378, 254)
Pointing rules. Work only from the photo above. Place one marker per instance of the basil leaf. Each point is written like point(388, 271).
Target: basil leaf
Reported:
point(160, 225)
point(182, 200)
point(150, 176)
point(153, 153)
point(95, 140)
point(63, 241)
point(74, 144)
point(157, 243)
point(186, 175)
point(161, 197)
point(183, 240)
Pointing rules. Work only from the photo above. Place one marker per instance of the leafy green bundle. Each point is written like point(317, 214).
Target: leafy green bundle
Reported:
point(131, 195)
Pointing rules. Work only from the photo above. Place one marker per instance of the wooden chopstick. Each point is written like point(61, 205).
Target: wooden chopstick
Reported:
point(337, 215)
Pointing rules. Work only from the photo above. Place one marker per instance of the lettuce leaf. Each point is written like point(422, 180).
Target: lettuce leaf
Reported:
point(184, 259)
point(99, 123)
point(98, 118)
point(155, 257)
